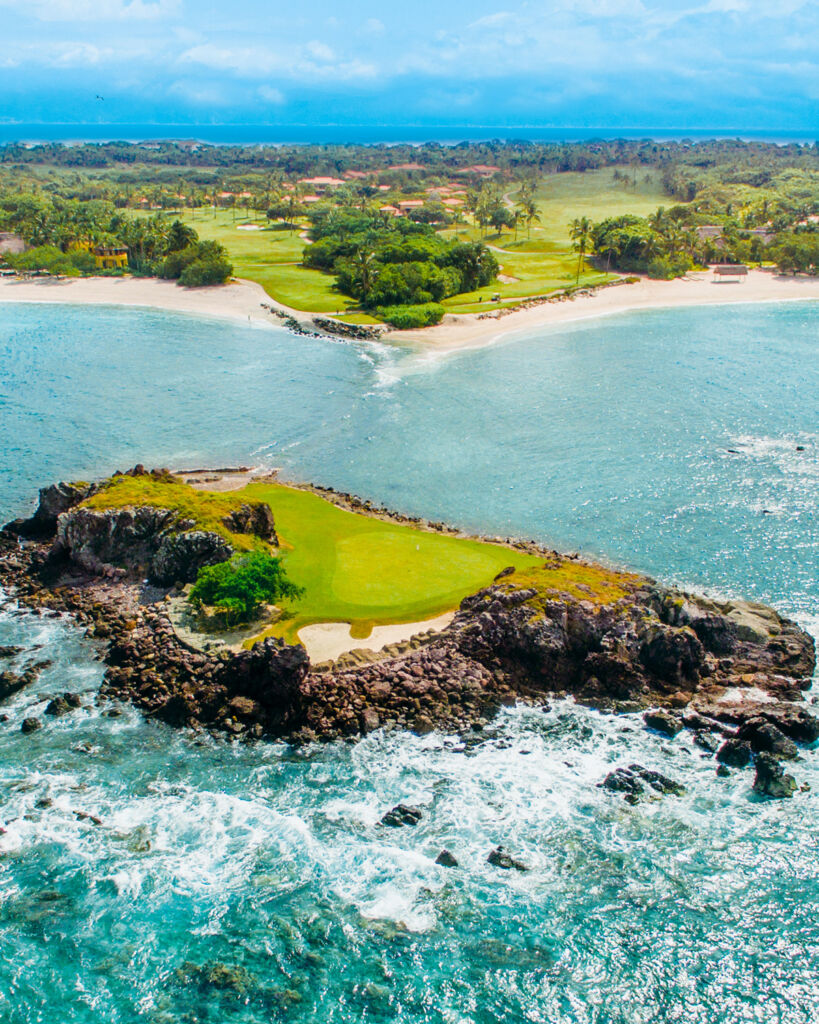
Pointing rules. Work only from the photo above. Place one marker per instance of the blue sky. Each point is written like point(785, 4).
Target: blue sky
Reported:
point(743, 64)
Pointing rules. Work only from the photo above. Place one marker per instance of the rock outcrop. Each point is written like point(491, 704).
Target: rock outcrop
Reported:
point(54, 501)
point(141, 541)
point(735, 673)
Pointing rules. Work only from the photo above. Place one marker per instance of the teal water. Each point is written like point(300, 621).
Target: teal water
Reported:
point(682, 443)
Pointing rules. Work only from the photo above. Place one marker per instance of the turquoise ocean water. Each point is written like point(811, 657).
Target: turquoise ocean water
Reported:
point(229, 884)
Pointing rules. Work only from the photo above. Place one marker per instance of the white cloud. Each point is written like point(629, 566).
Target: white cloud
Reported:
point(94, 10)
point(242, 60)
point(271, 95)
point(374, 27)
point(319, 51)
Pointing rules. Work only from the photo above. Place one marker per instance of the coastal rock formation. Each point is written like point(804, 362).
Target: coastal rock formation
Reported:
point(146, 541)
point(733, 672)
point(256, 518)
point(54, 500)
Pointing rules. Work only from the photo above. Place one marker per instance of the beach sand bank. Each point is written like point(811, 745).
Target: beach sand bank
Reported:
point(466, 332)
point(242, 301)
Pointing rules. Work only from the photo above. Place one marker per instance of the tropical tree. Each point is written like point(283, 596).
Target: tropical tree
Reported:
point(580, 231)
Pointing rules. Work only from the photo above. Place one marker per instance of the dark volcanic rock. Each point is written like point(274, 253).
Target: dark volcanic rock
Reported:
point(256, 518)
point(180, 556)
point(57, 707)
point(764, 737)
point(54, 500)
point(31, 725)
point(632, 781)
point(446, 859)
point(142, 540)
point(771, 778)
point(664, 722)
point(400, 815)
point(10, 651)
point(735, 753)
point(501, 858)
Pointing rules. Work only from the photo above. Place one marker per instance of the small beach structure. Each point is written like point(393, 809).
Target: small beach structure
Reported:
point(111, 257)
point(724, 271)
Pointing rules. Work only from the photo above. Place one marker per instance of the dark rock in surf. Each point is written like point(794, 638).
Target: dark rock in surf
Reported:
point(400, 815)
point(664, 722)
point(771, 778)
point(765, 737)
point(735, 753)
point(501, 858)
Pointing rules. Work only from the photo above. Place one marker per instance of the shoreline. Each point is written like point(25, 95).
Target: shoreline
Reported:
point(242, 301)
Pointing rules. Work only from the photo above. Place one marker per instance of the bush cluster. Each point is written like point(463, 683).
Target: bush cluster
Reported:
point(237, 589)
point(406, 318)
point(386, 262)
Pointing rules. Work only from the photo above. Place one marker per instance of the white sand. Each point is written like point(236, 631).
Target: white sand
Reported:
point(238, 300)
point(241, 301)
point(326, 641)
point(467, 332)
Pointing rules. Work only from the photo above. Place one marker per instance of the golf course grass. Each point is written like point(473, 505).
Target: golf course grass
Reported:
point(359, 569)
point(369, 572)
point(539, 257)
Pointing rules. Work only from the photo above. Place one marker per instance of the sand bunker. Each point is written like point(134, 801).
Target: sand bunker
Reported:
point(326, 641)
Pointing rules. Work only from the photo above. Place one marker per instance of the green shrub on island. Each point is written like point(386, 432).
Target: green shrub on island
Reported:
point(237, 589)
point(407, 318)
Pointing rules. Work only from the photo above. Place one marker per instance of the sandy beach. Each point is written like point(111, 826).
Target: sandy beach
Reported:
point(242, 301)
point(700, 289)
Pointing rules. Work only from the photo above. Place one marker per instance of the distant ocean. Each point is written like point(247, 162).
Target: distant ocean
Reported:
point(269, 134)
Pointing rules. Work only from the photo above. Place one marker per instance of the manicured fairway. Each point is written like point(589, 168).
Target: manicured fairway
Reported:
point(370, 572)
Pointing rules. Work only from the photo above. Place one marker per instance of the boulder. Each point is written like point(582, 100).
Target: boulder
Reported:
point(255, 518)
point(735, 753)
point(446, 859)
point(764, 737)
point(401, 815)
point(31, 725)
point(663, 721)
point(632, 781)
point(501, 858)
point(771, 778)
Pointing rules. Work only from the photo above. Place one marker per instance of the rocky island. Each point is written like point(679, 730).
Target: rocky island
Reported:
point(545, 625)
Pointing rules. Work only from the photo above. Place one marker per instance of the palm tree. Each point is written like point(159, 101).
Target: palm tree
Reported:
point(528, 209)
point(580, 231)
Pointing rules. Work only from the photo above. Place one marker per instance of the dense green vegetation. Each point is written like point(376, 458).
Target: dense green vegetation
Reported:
point(237, 589)
point(371, 232)
point(390, 261)
point(63, 234)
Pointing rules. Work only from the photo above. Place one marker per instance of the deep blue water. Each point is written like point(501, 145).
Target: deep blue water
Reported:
point(364, 134)
point(683, 443)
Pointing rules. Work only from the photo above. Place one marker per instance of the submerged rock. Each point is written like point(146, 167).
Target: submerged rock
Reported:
point(771, 778)
point(401, 815)
point(501, 858)
point(632, 781)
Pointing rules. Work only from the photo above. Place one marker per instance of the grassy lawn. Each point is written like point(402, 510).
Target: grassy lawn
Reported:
point(270, 257)
point(370, 572)
point(542, 260)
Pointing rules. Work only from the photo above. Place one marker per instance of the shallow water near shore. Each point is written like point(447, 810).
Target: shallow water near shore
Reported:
point(254, 884)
